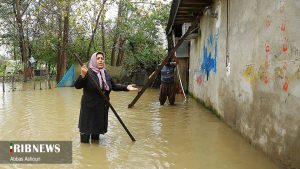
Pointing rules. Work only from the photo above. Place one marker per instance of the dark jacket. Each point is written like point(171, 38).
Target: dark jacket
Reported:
point(93, 117)
point(167, 73)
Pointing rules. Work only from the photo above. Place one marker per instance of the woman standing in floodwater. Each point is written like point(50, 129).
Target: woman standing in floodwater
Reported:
point(93, 119)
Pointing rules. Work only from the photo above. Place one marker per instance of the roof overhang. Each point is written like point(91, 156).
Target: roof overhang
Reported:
point(185, 11)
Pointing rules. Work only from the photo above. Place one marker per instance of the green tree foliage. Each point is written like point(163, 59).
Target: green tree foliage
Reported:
point(141, 29)
point(144, 48)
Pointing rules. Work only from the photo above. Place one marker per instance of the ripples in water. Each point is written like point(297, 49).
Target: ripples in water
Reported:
point(182, 136)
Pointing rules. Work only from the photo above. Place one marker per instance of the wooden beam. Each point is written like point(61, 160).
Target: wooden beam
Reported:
point(188, 13)
point(192, 5)
point(184, 12)
point(183, 21)
point(180, 20)
point(184, 17)
point(195, 1)
point(189, 8)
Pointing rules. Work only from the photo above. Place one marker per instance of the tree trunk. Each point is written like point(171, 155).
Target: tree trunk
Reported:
point(103, 35)
point(22, 44)
point(59, 48)
point(95, 29)
point(103, 32)
point(116, 37)
point(27, 35)
point(15, 54)
point(49, 76)
point(121, 51)
point(64, 51)
point(113, 52)
point(122, 56)
point(29, 47)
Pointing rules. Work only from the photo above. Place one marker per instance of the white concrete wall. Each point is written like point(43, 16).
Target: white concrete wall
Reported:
point(260, 97)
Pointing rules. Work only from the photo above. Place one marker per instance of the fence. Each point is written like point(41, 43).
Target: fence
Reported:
point(14, 82)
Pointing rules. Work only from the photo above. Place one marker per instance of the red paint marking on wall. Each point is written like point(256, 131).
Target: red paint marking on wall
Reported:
point(281, 9)
point(268, 21)
point(282, 6)
point(267, 47)
point(285, 86)
point(200, 79)
point(284, 47)
point(285, 66)
point(282, 27)
point(266, 79)
point(267, 62)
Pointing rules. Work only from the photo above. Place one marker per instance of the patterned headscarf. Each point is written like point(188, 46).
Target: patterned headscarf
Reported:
point(100, 72)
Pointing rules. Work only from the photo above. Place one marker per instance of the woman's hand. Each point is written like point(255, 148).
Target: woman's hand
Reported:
point(83, 71)
point(131, 88)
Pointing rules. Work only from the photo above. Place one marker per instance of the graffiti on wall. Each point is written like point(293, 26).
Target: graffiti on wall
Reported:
point(208, 64)
point(284, 42)
point(265, 70)
point(277, 54)
point(249, 74)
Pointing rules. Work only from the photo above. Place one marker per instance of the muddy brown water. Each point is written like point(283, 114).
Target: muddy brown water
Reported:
point(182, 136)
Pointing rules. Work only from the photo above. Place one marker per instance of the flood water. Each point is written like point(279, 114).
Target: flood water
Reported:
point(182, 136)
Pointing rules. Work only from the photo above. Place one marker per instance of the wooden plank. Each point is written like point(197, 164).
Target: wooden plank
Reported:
point(190, 9)
point(193, 5)
point(184, 16)
point(195, 1)
point(183, 21)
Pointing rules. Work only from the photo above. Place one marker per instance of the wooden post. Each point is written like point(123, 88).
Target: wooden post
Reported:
point(49, 84)
point(3, 84)
point(33, 82)
point(49, 76)
point(40, 84)
point(12, 82)
point(46, 81)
